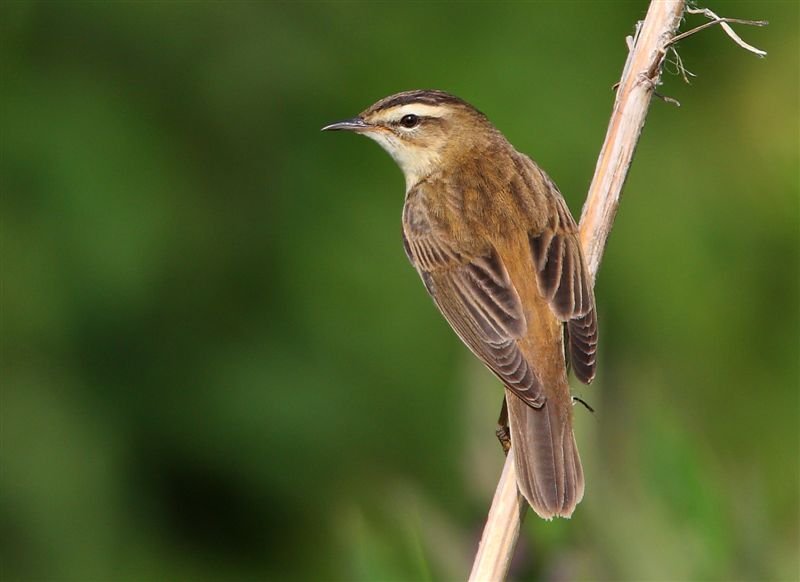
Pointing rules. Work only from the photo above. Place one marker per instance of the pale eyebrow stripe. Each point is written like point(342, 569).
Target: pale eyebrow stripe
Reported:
point(419, 109)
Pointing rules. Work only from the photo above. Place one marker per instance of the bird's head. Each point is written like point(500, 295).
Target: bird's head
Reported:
point(422, 130)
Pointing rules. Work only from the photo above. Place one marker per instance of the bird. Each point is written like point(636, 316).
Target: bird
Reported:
point(498, 251)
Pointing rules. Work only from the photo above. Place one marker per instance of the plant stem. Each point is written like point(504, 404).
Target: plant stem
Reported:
point(640, 77)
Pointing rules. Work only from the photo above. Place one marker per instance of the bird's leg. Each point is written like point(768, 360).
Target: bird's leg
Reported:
point(582, 401)
point(502, 432)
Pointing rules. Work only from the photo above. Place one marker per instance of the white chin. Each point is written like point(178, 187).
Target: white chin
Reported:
point(415, 162)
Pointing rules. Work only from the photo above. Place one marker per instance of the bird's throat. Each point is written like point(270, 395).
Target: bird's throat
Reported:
point(416, 162)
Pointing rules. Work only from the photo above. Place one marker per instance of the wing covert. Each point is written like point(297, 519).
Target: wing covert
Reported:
point(476, 296)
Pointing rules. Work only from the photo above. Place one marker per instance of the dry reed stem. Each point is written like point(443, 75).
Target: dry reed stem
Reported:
point(648, 48)
point(636, 87)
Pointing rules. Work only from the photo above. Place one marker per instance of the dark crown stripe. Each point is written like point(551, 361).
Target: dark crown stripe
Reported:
point(425, 97)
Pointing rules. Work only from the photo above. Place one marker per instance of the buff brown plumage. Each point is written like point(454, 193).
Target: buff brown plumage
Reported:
point(497, 249)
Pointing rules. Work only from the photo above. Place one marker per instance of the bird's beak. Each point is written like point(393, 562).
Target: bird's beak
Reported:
point(355, 124)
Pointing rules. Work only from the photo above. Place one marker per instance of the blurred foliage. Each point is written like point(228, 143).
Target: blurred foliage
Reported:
point(218, 365)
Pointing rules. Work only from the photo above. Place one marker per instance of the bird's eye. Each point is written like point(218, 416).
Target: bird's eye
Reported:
point(409, 121)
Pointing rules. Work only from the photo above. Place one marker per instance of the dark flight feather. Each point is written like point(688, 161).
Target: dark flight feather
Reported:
point(479, 301)
point(564, 282)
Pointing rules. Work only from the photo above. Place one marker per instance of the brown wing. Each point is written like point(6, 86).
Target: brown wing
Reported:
point(476, 296)
point(564, 282)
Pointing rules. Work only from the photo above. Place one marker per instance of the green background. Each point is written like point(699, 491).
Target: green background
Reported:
point(218, 364)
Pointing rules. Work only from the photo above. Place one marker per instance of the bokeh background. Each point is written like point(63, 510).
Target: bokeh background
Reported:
point(218, 365)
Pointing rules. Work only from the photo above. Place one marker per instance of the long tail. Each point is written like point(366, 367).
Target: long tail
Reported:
point(549, 472)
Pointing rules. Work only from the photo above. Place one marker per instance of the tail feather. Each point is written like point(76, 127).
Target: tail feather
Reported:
point(549, 472)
